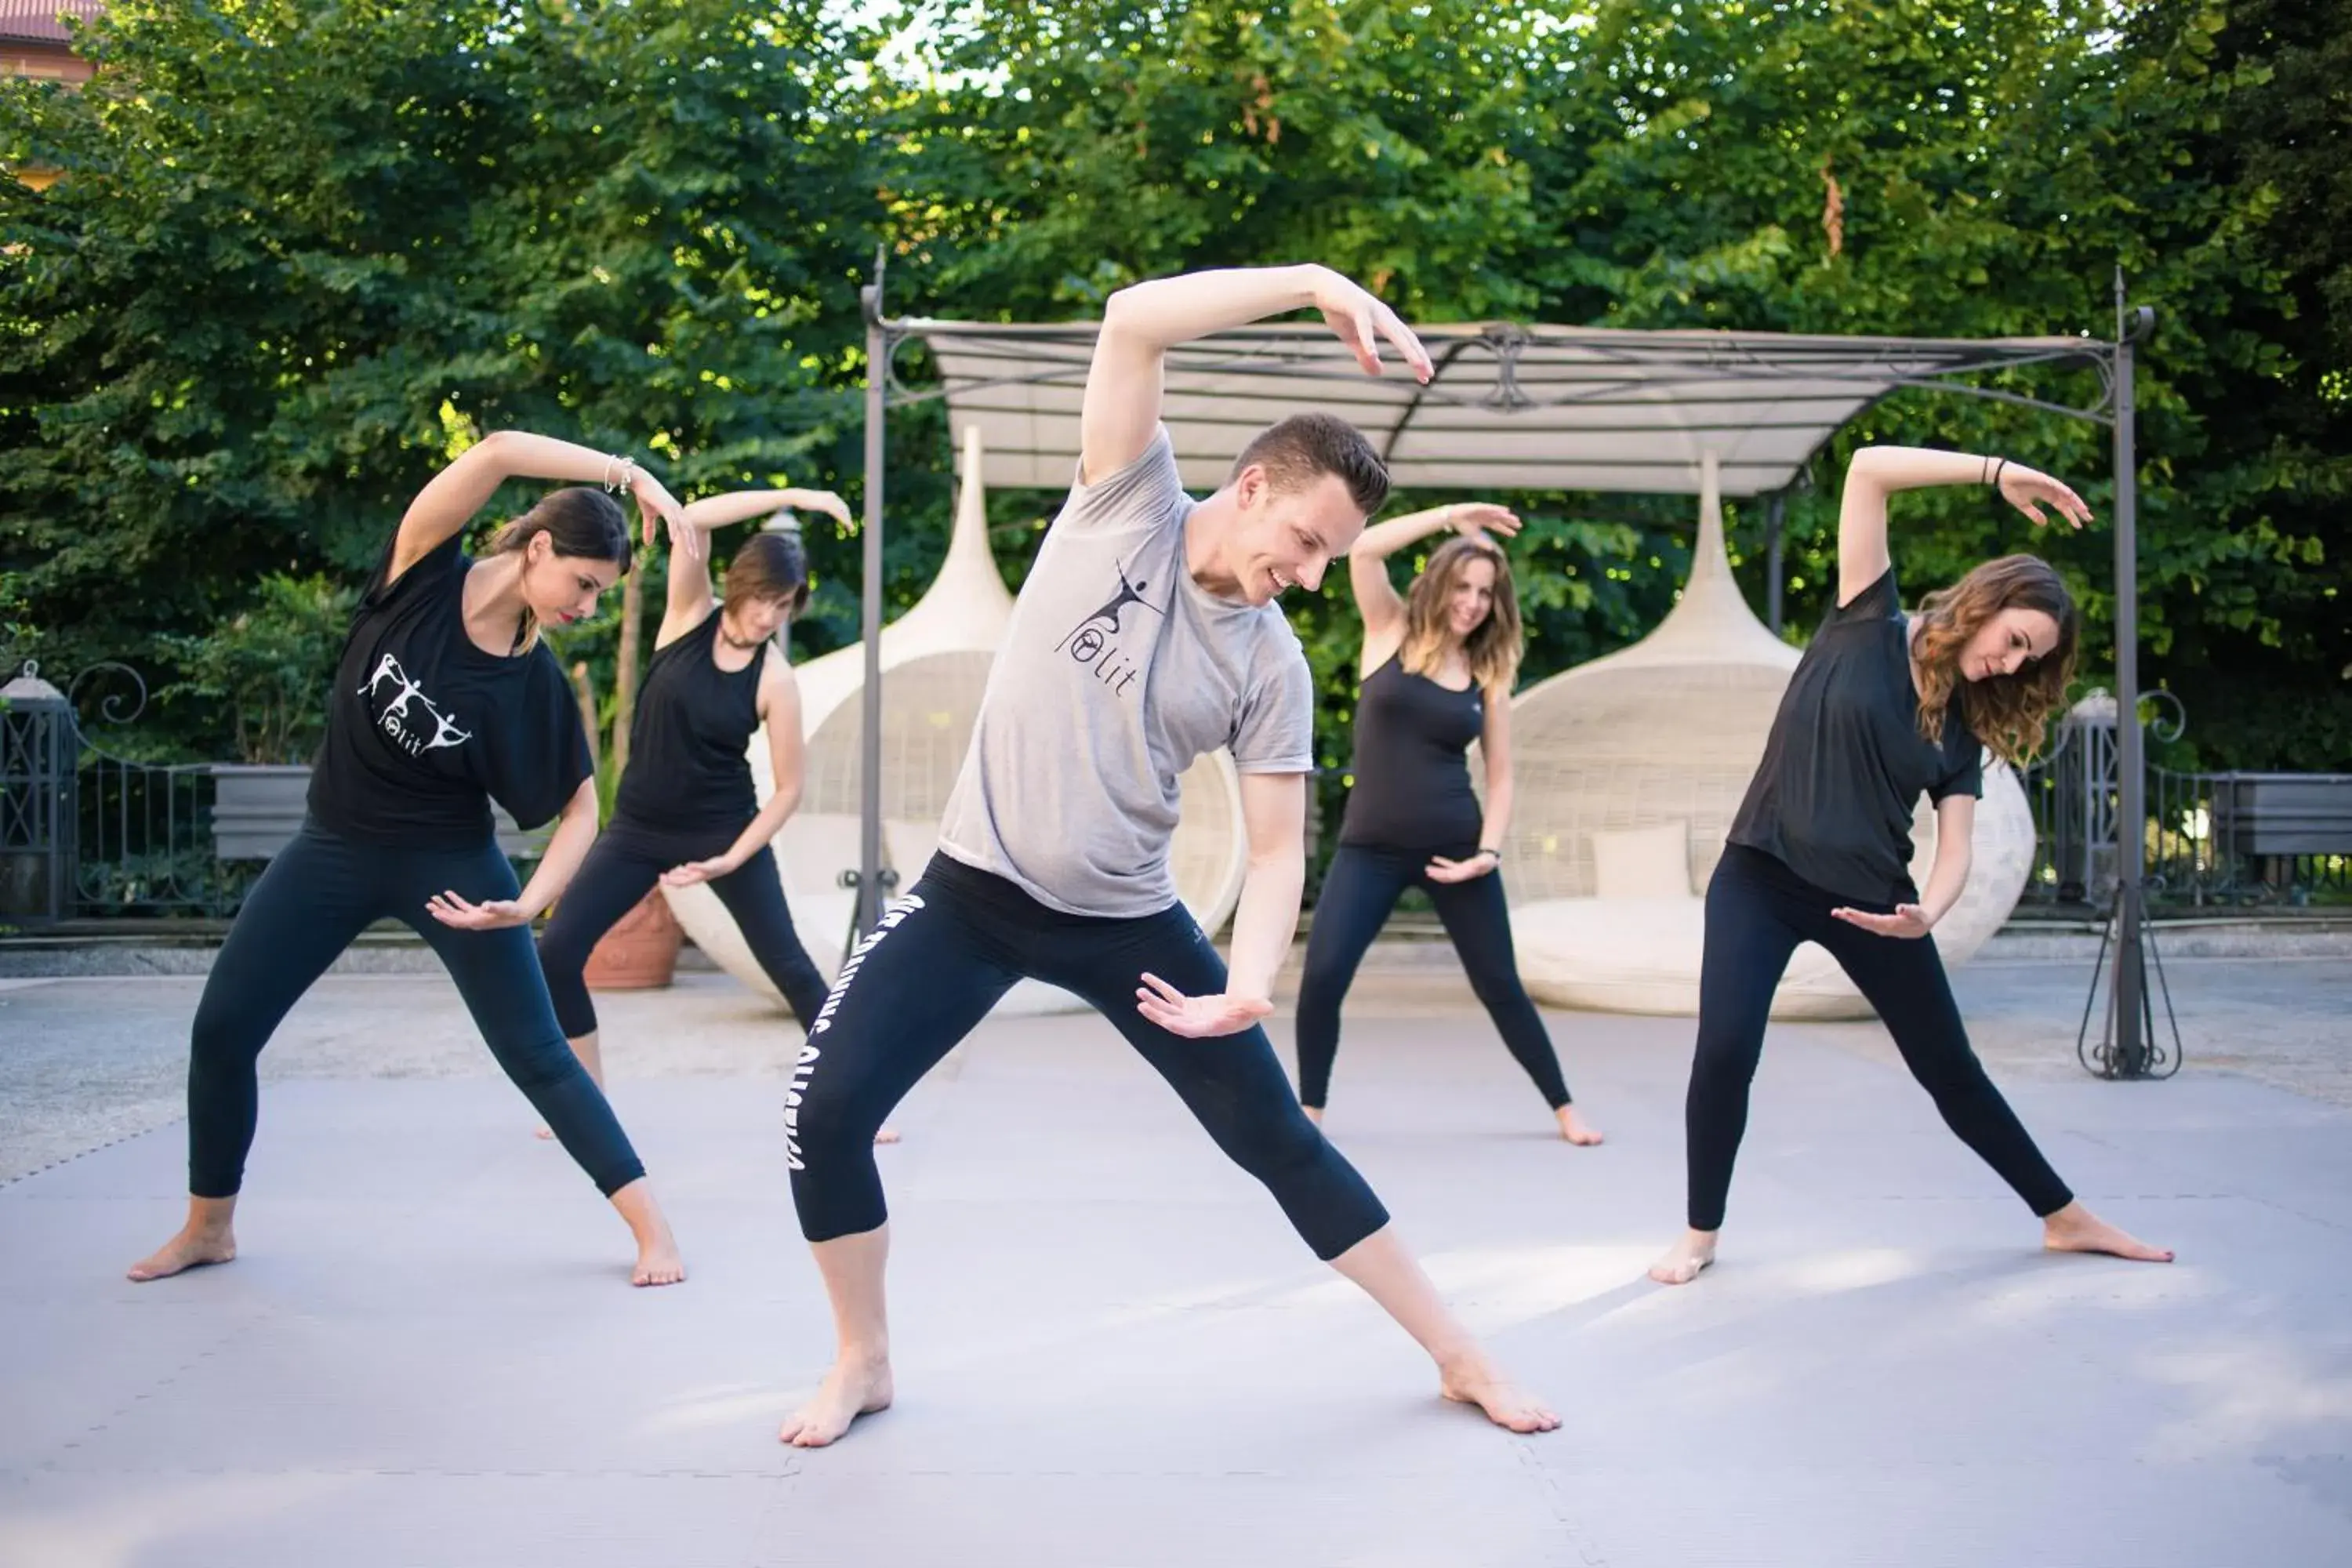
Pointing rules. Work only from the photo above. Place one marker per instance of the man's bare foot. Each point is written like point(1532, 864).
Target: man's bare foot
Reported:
point(1472, 1379)
point(1574, 1129)
point(887, 1135)
point(1314, 1113)
point(2077, 1229)
point(857, 1386)
point(1685, 1258)
point(193, 1247)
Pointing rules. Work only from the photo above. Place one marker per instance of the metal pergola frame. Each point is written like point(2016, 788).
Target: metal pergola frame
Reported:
point(1499, 364)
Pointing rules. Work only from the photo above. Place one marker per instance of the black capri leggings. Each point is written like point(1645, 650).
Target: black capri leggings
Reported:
point(1757, 911)
point(944, 954)
point(622, 868)
point(317, 896)
point(1361, 889)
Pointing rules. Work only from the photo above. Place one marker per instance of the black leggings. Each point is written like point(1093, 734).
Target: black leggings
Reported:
point(1757, 911)
point(317, 896)
point(1362, 886)
point(622, 869)
point(944, 954)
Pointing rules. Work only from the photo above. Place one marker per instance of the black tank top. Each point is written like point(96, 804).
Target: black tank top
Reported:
point(1412, 774)
point(686, 762)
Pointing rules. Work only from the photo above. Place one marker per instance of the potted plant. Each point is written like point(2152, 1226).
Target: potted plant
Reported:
point(640, 953)
point(265, 671)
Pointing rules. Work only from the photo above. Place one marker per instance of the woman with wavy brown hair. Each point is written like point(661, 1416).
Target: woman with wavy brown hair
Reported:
point(1882, 709)
point(1438, 665)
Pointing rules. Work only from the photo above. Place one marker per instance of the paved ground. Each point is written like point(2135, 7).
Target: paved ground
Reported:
point(1111, 1350)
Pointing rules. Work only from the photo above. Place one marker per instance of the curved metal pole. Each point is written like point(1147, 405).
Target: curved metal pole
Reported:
point(869, 775)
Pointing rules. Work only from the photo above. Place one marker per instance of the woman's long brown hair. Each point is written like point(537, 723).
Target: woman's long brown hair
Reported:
point(1493, 648)
point(2010, 713)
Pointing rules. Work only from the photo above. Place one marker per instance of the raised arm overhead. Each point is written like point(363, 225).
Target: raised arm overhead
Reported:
point(1126, 384)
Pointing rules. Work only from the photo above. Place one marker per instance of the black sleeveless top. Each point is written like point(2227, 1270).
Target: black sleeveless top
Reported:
point(687, 763)
point(1412, 788)
point(1845, 763)
point(424, 730)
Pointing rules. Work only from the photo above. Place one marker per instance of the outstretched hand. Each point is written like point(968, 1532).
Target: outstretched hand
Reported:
point(655, 503)
point(694, 872)
point(1361, 321)
point(826, 501)
point(451, 909)
point(2031, 489)
point(1907, 920)
point(1196, 1017)
point(1472, 519)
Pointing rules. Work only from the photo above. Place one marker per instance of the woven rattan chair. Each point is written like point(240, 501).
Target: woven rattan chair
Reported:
point(1630, 770)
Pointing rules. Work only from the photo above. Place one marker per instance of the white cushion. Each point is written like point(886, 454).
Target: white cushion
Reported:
point(1642, 862)
point(816, 847)
point(908, 845)
point(1643, 955)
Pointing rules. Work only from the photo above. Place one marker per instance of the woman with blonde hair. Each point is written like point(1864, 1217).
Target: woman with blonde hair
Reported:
point(1885, 708)
point(1437, 664)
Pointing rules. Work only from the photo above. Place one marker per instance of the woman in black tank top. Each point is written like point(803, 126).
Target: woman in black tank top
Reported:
point(1883, 709)
point(685, 811)
point(1438, 666)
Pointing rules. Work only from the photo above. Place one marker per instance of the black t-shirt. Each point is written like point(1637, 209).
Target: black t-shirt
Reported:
point(686, 762)
point(424, 730)
point(1845, 765)
point(1411, 773)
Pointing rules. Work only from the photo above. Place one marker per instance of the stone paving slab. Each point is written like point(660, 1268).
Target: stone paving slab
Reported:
point(1112, 1351)
point(1111, 1347)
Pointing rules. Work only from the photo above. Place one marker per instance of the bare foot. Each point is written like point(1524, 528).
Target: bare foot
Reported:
point(857, 1386)
point(545, 1133)
point(1574, 1129)
point(887, 1135)
point(1314, 1113)
point(2077, 1229)
point(658, 1262)
point(1685, 1258)
point(192, 1249)
point(657, 1259)
point(1473, 1379)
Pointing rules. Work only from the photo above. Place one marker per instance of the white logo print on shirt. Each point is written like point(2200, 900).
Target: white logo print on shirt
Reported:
point(396, 721)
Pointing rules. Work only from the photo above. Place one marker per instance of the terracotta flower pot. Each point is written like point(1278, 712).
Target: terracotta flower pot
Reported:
point(640, 953)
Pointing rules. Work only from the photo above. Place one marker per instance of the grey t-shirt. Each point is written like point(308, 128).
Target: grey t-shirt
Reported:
point(1116, 671)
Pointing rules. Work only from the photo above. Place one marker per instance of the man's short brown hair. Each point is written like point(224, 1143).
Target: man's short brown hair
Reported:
point(1305, 447)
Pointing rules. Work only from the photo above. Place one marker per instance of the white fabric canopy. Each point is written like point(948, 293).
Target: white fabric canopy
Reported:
point(1511, 407)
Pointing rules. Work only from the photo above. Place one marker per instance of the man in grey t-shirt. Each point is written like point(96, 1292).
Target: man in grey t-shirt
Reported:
point(1145, 634)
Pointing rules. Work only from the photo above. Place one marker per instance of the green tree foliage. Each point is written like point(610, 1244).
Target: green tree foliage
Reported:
point(302, 249)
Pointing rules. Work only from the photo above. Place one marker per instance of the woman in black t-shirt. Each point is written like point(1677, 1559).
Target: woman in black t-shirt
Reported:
point(685, 811)
point(1436, 666)
point(445, 699)
point(1881, 708)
